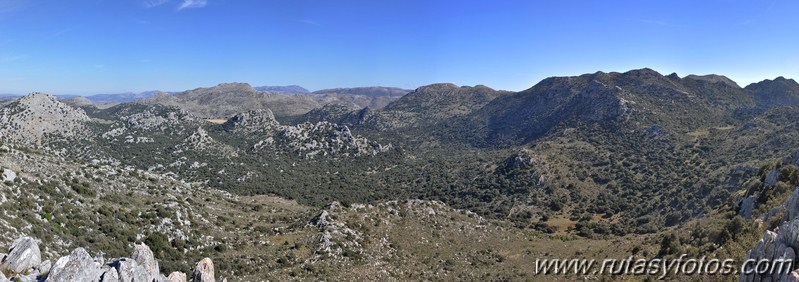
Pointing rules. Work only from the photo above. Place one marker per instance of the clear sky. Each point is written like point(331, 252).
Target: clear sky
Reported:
point(110, 46)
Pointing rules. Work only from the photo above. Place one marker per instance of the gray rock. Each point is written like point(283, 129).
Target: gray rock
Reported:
point(177, 277)
point(109, 275)
point(44, 267)
point(747, 206)
point(3, 277)
point(130, 271)
point(204, 271)
point(144, 256)
point(77, 266)
point(9, 175)
point(793, 205)
point(26, 278)
point(771, 177)
point(23, 256)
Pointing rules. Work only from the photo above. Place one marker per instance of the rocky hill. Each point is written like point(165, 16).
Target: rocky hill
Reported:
point(777, 92)
point(637, 99)
point(31, 118)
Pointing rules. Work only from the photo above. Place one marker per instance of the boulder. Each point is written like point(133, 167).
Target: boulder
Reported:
point(771, 178)
point(44, 267)
point(9, 175)
point(3, 277)
point(109, 275)
point(23, 256)
point(177, 277)
point(130, 271)
point(77, 266)
point(144, 256)
point(204, 271)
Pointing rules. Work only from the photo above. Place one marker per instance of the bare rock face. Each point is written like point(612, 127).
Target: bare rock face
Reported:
point(144, 256)
point(110, 275)
point(771, 177)
point(177, 277)
point(8, 175)
point(256, 121)
point(204, 271)
point(130, 271)
point(781, 243)
point(77, 266)
point(24, 255)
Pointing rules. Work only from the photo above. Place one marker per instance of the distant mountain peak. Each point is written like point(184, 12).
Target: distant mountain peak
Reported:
point(232, 86)
point(714, 78)
point(372, 91)
point(289, 89)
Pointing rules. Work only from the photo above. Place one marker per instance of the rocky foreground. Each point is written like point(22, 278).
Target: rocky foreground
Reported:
point(24, 263)
point(781, 243)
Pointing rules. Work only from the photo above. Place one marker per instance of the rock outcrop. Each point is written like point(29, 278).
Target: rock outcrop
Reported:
point(77, 266)
point(781, 243)
point(23, 255)
point(24, 263)
point(204, 271)
point(324, 138)
point(257, 121)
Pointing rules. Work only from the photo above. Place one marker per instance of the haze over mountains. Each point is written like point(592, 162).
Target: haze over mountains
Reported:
point(442, 182)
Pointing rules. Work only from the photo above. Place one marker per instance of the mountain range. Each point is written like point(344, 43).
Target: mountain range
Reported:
point(441, 182)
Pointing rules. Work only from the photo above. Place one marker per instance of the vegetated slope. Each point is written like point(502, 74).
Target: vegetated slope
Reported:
point(633, 100)
point(108, 209)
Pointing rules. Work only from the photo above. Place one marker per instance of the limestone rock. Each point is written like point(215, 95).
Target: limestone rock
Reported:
point(130, 271)
point(8, 175)
point(77, 266)
point(109, 275)
point(24, 255)
point(204, 271)
point(771, 177)
point(793, 205)
point(177, 277)
point(44, 267)
point(145, 258)
point(747, 206)
point(257, 121)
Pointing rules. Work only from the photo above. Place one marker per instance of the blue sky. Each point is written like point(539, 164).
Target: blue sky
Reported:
point(110, 46)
